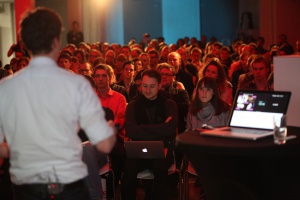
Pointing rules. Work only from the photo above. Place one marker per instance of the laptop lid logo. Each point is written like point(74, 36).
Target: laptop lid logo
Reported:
point(144, 150)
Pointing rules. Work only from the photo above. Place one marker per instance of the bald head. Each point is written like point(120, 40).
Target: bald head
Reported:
point(174, 59)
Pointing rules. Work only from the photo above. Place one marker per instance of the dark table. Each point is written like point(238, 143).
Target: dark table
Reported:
point(242, 169)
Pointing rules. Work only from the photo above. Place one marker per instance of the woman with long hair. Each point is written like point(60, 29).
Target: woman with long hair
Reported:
point(207, 107)
point(213, 68)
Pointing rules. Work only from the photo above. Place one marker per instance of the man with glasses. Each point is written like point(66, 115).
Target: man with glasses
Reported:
point(85, 68)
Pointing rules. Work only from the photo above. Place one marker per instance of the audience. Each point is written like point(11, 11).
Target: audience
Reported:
point(122, 77)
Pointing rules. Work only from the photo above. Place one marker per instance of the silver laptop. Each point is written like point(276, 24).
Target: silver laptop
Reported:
point(144, 149)
point(252, 114)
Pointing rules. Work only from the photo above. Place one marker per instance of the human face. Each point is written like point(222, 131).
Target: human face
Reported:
point(134, 54)
point(79, 56)
point(126, 52)
point(205, 94)
point(109, 57)
point(175, 61)
point(64, 63)
point(211, 71)
point(150, 87)
point(93, 56)
point(128, 71)
point(167, 77)
point(259, 71)
point(196, 55)
point(85, 69)
point(243, 62)
point(224, 55)
point(145, 60)
point(165, 52)
point(153, 59)
point(182, 53)
point(138, 65)
point(102, 79)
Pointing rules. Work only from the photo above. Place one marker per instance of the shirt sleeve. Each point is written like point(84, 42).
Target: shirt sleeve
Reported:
point(91, 115)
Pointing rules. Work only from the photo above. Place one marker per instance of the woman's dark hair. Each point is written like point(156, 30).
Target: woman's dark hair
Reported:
point(221, 80)
point(216, 101)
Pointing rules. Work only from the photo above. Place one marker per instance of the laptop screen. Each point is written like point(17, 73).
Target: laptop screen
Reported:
point(255, 109)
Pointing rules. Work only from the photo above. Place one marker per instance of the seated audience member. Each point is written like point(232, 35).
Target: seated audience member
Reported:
point(181, 98)
point(180, 72)
point(13, 63)
point(64, 61)
point(22, 63)
point(259, 68)
point(70, 47)
point(110, 58)
point(126, 51)
point(85, 47)
point(94, 159)
point(260, 45)
point(135, 52)
point(80, 54)
point(150, 117)
point(207, 107)
point(145, 60)
point(127, 82)
point(93, 55)
point(137, 64)
point(214, 69)
point(8, 69)
point(117, 103)
point(225, 57)
point(154, 59)
point(196, 55)
point(74, 64)
point(18, 49)
point(66, 51)
point(85, 68)
point(120, 59)
point(242, 68)
point(164, 52)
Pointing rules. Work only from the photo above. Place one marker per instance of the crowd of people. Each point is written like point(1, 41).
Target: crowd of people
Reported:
point(153, 91)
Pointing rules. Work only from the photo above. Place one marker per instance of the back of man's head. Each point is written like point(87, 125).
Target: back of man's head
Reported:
point(38, 29)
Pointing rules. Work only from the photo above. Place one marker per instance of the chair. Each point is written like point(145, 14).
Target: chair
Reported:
point(104, 172)
point(148, 175)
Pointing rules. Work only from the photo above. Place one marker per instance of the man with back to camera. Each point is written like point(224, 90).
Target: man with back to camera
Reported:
point(42, 108)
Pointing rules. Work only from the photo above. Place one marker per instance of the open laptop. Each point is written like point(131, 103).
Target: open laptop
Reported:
point(252, 114)
point(144, 149)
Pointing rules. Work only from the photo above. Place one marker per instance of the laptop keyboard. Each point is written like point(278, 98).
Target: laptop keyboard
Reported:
point(247, 130)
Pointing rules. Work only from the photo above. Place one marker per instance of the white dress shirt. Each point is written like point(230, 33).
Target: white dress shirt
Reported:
point(41, 110)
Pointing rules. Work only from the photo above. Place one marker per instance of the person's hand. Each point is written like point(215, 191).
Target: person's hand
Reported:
point(113, 126)
point(168, 119)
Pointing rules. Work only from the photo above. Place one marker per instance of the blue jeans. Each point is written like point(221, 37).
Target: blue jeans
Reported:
point(40, 192)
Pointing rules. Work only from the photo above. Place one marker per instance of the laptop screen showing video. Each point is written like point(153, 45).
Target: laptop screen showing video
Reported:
point(255, 109)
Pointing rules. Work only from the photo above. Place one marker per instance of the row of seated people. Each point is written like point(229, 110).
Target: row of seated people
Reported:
point(214, 112)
